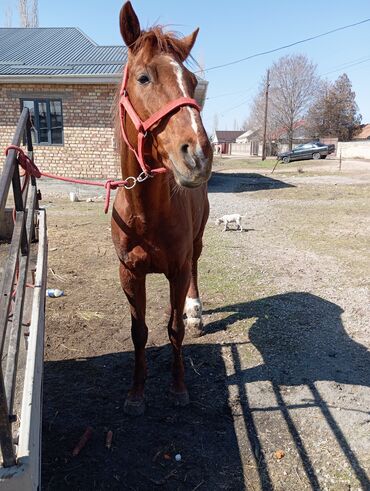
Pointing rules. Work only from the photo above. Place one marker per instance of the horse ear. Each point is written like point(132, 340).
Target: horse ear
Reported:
point(187, 43)
point(129, 24)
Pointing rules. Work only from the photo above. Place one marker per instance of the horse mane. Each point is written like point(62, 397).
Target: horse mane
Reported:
point(157, 39)
point(154, 39)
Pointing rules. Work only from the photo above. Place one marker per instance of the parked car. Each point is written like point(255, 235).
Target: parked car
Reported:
point(312, 150)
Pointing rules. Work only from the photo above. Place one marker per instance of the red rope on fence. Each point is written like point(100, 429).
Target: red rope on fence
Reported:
point(31, 169)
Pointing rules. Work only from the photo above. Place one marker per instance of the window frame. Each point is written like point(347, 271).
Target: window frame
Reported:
point(36, 102)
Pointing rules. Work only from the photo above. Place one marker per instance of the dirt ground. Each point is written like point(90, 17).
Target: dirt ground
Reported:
point(280, 381)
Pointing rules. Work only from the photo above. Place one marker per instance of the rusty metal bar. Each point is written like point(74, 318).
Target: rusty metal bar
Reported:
point(8, 277)
point(6, 436)
point(16, 328)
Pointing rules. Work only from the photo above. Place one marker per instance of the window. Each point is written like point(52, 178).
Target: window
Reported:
point(47, 120)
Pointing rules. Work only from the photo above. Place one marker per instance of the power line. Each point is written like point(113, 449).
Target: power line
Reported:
point(243, 91)
point(229, 93)
point(347, 65)
point(234, 107)
point(262, 53)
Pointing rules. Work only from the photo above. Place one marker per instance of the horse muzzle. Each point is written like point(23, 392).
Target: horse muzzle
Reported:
point(191, 167)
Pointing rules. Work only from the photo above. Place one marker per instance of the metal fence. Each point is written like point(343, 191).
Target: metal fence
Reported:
point(14, 279)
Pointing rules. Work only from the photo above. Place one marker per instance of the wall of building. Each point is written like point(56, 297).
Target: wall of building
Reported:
point(88, 150)
point(354, 150)
point(241, 149)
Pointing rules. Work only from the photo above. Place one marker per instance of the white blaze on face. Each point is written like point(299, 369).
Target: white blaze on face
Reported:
point(180, 81)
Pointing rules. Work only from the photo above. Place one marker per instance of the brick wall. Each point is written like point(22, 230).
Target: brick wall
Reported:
point(88, 149)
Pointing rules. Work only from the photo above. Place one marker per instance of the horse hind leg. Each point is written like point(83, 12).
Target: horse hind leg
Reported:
point(176, 331)
point(193, 304)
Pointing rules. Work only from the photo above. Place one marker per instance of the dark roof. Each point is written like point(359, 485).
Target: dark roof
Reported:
point(56, 51)
point(227, 136)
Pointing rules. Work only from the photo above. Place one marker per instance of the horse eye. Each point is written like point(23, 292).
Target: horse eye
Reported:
point(143, 79)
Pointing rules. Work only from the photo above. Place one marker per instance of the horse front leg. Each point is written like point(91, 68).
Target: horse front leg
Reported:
point(179, 285)
point(134, 288)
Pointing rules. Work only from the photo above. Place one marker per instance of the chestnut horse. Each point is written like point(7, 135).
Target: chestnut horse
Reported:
point(157, 226)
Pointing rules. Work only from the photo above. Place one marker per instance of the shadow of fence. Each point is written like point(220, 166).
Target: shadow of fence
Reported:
point(301, 340)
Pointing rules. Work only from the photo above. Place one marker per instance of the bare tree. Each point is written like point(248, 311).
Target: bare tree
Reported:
point(8, 16)
point(293, 82)
point(335, 112)
point(29, 16)
point(35, 14)
point(23, 13)
point(293, 85)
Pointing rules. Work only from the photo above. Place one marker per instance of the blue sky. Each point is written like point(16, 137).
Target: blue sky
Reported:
point(232, 30)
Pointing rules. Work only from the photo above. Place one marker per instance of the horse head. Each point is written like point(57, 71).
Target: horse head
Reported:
point(156, 77)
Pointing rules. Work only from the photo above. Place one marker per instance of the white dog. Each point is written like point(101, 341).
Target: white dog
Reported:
point(226, 219)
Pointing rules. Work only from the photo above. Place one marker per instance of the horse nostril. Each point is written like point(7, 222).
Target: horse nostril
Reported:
point(184, 148)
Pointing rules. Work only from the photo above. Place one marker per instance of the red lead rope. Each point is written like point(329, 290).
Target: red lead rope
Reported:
point(31, 169)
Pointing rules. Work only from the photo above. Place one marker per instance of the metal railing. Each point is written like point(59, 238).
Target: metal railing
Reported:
point(14, 280)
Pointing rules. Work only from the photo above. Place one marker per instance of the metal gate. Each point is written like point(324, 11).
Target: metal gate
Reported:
point(22, 319)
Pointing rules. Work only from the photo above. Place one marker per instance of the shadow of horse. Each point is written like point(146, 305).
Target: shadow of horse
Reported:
point(90, 392)
point(302, 341)
point(241, 182)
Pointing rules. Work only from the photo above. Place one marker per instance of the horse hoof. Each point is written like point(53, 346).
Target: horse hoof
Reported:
point(134, 407)
point(180, 398)
point(195, 326)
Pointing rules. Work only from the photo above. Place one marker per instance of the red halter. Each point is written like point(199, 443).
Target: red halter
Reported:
point(142, 127)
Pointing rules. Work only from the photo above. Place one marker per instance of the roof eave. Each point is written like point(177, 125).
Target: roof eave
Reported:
point(112, 78)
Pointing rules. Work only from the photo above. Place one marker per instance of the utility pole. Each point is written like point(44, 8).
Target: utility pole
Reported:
point(265, 120)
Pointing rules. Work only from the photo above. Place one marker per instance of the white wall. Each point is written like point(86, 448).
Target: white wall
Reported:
point(354, 150)
point(240, 149)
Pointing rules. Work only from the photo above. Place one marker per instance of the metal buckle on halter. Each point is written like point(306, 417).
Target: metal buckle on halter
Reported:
point(143, 176)
point(134, 182)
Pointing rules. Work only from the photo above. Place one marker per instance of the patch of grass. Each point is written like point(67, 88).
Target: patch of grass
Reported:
point(330, 220)
point(225, 271)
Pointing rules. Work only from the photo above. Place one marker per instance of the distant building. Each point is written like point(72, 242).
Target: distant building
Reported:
point(250, 142)
point(364, 134)
point(222, 140)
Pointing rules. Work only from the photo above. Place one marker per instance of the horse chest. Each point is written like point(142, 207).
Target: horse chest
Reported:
point(154, 252)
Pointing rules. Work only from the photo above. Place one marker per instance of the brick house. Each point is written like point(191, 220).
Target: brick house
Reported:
point(69, 83)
